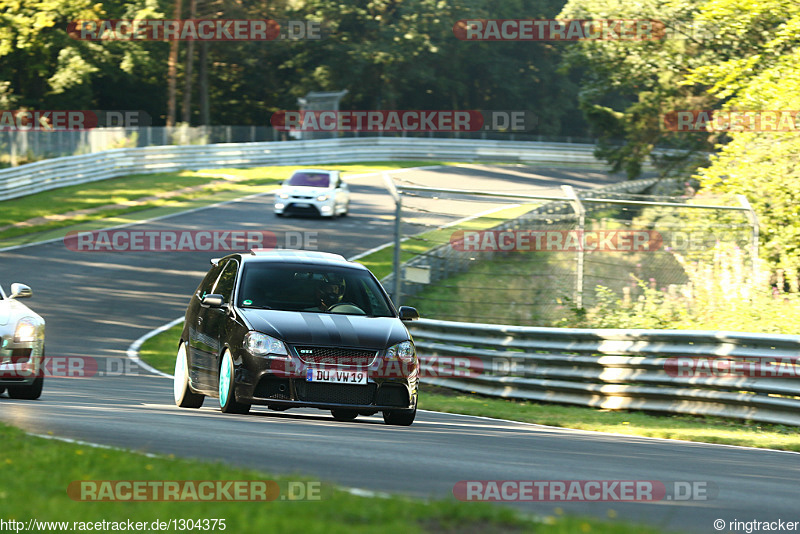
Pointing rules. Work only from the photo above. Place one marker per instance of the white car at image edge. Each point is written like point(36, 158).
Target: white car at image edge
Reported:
point(313, 192)
point(21, 345)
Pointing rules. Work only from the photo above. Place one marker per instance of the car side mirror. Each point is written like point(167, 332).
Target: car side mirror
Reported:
point(20, 291)
point(407, 313)
point(212, 301)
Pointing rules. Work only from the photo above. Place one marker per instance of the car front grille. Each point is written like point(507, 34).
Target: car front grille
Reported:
point(336, 356)
point(335, 393)
point(308, 210)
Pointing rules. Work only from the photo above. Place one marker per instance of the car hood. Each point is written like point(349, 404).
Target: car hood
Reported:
point(12, 310)
point(306, 191)
point(328, 328)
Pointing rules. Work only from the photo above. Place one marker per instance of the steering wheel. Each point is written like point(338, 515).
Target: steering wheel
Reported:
point(350, 308)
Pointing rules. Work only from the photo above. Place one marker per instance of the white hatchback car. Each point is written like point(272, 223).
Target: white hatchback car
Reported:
point(313, 192)
point(21, 345)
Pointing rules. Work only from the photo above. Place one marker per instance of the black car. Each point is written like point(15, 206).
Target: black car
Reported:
point(291, 329)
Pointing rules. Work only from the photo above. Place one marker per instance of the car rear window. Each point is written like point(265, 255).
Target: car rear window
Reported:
point(296, 288)
point(310, 179)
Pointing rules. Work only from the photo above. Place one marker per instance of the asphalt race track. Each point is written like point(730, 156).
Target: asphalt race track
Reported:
point(96, 304)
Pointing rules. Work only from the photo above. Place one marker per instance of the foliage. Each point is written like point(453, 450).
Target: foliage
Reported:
point(719, 296)
point(748, 59)
point(387, 54)
point(629, 85)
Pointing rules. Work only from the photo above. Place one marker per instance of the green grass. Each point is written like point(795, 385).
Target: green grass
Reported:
point(135, 187)
point(381, 262)
point(37, 473)
point(159, 351)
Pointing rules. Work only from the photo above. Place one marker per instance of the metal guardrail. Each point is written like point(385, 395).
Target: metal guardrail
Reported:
point(71, 170)
point(618, 369)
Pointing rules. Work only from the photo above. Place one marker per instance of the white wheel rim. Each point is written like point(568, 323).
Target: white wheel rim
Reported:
point(225, 379)
point(181, 380)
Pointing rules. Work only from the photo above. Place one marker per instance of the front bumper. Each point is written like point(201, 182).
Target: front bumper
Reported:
point(20, 363)
point(283, 384)
point(304, 207)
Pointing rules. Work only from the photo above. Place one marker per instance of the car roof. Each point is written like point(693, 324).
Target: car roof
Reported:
point(299, 256)
point(327, 171)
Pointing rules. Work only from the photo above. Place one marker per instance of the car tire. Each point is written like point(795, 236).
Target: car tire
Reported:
point(184, 396)
point(227, 394)
point(399, 417)
point(344, 416)
point(346, 211)
point(30, 392)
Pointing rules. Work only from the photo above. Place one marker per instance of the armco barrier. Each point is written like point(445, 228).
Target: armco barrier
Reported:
point(71, 170)
point(615, 369)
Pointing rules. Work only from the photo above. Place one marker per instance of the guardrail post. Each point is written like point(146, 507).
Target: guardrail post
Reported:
point(577, 206)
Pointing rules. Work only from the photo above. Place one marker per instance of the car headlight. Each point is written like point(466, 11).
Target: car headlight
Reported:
point(323, 198)
point(26, 331)
point(259, 344)
point(283, 195)
point(404, 352)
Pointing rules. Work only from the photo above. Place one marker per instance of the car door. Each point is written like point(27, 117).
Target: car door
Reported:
point(207, 341)
point(216, 323)
point(342, 194)
point(197, 349)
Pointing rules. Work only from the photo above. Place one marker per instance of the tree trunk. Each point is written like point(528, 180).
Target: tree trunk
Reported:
point(187, 82)
point(172, 70)
point(205, 116)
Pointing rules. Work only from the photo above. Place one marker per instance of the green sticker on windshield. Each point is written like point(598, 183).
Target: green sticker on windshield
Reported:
point(248, 302)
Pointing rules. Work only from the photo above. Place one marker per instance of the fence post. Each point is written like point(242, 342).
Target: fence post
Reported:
point(580, 212)
point(398, 221)
point(753, 218)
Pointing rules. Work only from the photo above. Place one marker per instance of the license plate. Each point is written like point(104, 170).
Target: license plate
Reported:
point(336, 377)
point(302, 205)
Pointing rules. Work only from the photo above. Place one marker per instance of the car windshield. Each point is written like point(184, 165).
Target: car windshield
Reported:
point(310, 179)
point(317, 289)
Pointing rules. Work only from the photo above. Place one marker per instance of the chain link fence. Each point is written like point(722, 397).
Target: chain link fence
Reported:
point(510, 258)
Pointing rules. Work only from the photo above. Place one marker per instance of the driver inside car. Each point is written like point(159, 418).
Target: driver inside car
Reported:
point(329, 293)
